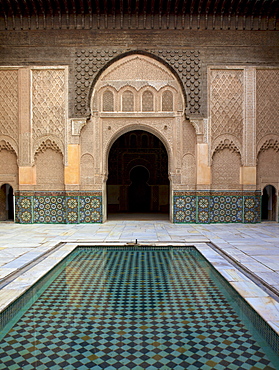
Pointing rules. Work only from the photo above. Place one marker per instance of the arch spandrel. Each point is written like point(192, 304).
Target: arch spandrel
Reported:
point(9, 144)
point(268, 141)
point(138, 72)
point(137, 67)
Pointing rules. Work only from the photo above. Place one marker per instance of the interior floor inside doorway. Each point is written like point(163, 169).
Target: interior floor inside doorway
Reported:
point(138, 216)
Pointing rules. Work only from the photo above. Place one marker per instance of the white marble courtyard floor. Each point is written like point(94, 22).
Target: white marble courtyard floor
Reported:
point(254, 247)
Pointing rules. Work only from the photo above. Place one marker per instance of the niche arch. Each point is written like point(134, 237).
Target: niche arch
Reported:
point(269, 203)
point(138, 73)
point(6, 202)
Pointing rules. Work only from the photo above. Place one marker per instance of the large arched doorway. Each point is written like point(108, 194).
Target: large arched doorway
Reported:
point(138, 176)
point(6, 203)
point(269, 203)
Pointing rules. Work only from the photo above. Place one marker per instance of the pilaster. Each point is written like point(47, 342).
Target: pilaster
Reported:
point(248, 173)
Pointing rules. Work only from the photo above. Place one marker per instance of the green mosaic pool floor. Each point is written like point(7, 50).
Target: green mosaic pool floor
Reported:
point(124, 309)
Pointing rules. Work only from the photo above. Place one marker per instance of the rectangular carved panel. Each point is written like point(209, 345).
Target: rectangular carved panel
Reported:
point(267, 102)
point(226, 102)
point(48, 103)
point(9, 103)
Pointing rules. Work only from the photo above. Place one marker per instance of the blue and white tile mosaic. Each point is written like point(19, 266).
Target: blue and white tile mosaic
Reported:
point(184, 209)
point(90, 209)
point(226, 209)
point(217, 207)
point(203, 209)
point(72, 209)
point(49, 209)
point(252, 209)
point(23, 209)
point(59, 208)
point(214, 207)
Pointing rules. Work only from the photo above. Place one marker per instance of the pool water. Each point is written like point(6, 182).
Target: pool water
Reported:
point(134, 309)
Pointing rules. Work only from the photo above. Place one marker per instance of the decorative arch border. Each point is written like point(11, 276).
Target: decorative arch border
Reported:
point(131, 127)
point(272, 183)
point(269, 141)
point(48, 143)
point(226, 142)
point(8, 144)
point(128, 53)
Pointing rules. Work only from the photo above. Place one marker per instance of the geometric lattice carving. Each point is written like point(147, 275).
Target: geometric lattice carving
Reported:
point(108, 102)
point(147, 102)
point(49, 170)
point(167, 101)
point(189, 138)
point(128, 101)
point(7, 146)
point(9, 103)
point(225, 169)
point(187, 65)
point(87, 170)
point(268, 164)
point(226, 144)
point(271, 143)
point(226, 103)
point(48, 144)
point(88, 64)
point(188, 170)
point(48, 103)
point(267, 102)
point(8, 164)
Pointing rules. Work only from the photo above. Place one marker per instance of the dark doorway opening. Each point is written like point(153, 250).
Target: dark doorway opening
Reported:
point(6, 203)
point(139, 190)
point(269, 203)
point(138, 176)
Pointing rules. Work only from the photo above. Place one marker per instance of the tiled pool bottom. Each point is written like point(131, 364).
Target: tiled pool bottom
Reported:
point(134, 309)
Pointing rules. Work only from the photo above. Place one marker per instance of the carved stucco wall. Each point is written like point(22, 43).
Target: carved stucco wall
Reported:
point(226, 105)
point(188, 168)
point(49, 90)
point(9, 130)
point(89, 64)
point(8, 166)
point(226, 169)
point(87, 159)
point(268, 167)
point(267, 129)
point(137, 74)
point(227, 117)
point(9, 107)
point(267, 102)
point(49, 170)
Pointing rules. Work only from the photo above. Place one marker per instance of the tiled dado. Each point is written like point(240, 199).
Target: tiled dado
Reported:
point(58, 207)
point(216, 207)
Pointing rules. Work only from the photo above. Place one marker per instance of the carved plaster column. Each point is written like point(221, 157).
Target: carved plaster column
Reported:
point(27, 172)
point(248, 171)
point(203, 168)
point(72, 170)
point(100, 174)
